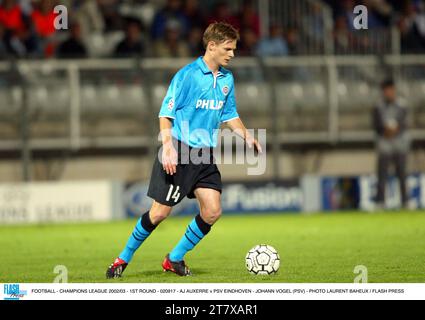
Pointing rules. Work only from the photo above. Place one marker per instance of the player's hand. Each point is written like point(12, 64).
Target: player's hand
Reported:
point(169, 158)
point(391, 132)
point(251, 142)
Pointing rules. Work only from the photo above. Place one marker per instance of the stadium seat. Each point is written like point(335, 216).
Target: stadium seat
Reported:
point(158, 95)
point(288, 95)
point(88, 97)
point(59, 97)
point(108, 98)
point(300, 95)
point(11, 99)
point(49, 98)
point(413, 92)
point(253, 96)
point(315, 95)
point(356, 94)
point(134, 97)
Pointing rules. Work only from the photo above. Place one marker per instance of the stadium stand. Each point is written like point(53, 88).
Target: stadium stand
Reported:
point(314, 82)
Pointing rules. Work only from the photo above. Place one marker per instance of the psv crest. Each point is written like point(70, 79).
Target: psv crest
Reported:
point(225, 90)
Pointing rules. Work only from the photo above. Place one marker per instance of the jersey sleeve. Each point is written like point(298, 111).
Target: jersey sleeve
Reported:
point(175, 95)
point(229, 110)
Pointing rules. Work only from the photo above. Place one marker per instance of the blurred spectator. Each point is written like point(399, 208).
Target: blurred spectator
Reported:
point(223, 13)
point(4, 52)
point(346, 41)
point(132, 45)
point(28, 28)
point(11, 16)
point(194, 16)
point(380, 12)
point(248, 43)
point(397, 5)
point(111, 16)
point(13, 29)
point(171, 45)
point(314, 24)
point(87, 14)
point(335, 5)
point(342, 35)
point(17, 38)
point(412, 29)
point(194, 42)
point(24, 44)
point(296, 47)
point(294, 43)
point(171, 12)
point(74, 46)
point(274, 45)
point(420, 19)
point(246, 48)
point(248, 17)
point(43, 18)
point(348, 14)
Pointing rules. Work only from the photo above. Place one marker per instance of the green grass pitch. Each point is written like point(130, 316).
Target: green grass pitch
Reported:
point(316, 248)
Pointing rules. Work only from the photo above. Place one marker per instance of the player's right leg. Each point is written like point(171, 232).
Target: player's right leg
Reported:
point(210, 205)
point(144, 227)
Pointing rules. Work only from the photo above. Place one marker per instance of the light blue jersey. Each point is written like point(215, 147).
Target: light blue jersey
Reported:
point(198, 102)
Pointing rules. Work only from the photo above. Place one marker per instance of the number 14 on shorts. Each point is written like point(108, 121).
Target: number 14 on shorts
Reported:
point(173, 193)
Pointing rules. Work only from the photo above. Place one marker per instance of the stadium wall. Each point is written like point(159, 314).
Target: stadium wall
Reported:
point(292, 164)
point(44, 202)
point(84, 201)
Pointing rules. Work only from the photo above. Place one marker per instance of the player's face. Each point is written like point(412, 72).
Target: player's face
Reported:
point(224, 52)
point(390, 93)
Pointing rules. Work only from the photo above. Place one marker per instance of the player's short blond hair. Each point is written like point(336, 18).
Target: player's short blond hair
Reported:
point(219, 32)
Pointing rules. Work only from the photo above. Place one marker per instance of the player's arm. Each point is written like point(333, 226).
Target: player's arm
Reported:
point(237, 126)
point(169, 153)
point(167, 114)
point(231, 117)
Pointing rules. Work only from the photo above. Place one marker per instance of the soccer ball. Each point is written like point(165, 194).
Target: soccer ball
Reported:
point(262, 260)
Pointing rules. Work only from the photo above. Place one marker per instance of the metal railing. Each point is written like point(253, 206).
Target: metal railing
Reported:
point(308, 23)
point(89, 104)
point(311, 27)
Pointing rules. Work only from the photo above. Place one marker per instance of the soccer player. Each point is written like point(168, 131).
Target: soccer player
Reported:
point(200, 97)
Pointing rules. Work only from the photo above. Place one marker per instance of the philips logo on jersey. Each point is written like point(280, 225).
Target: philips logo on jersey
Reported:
point(209, 104)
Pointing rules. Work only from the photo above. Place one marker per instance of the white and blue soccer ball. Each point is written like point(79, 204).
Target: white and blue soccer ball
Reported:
point(262, 260)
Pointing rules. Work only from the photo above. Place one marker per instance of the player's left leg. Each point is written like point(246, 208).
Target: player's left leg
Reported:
point(210, 206)
point(144, 227)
